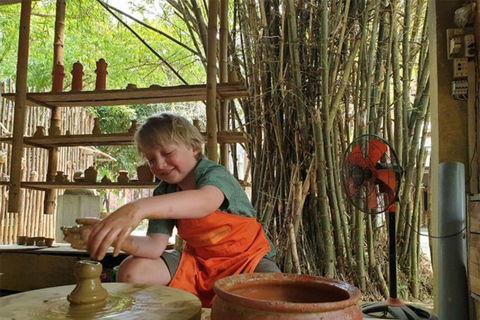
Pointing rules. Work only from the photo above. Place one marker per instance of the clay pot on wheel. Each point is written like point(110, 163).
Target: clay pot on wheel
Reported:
point(261, 296)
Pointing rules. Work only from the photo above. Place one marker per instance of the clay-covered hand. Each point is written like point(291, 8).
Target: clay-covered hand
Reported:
point(113, 231)
point(78, 235)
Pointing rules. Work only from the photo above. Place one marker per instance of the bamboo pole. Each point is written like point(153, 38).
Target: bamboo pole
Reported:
point(49, 202)
point(212, 80)
point(223, 65)
point(20, 107)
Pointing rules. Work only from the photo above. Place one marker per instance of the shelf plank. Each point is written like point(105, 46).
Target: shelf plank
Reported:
point(225, 91)
point(122, 138)
point(86, 185)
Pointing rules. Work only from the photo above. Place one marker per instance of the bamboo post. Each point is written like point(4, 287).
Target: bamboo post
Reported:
point(20, 106)
point(49, 202)
point(212, 80)
point(223, 65)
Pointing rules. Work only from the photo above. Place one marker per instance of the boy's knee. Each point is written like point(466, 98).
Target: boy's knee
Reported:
point(129, 269)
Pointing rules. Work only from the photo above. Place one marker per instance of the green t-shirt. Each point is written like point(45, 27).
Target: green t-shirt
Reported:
point(210, 173)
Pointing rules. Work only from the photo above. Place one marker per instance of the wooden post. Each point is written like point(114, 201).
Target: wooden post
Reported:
point(20, 107)
point(58, 44)
point(212, 80)
point(223, 65)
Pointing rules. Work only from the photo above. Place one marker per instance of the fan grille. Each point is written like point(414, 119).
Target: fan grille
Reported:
point(371, 174)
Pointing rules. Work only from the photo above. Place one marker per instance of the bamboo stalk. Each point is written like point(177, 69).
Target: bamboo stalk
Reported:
point(20, 107)
point(212, 81)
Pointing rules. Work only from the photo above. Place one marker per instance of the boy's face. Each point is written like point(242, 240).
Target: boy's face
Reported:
point(172, 163)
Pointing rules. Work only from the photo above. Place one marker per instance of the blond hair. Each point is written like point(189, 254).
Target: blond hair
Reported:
point(166, 128)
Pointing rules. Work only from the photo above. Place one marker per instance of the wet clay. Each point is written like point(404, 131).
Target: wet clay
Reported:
point(262, 296)
point(125, 301)
point(89, 293)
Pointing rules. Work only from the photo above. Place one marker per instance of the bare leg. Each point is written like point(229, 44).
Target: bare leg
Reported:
point(143, 271)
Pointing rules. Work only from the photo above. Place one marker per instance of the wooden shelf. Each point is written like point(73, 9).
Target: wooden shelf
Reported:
point(123, 138)
point(87, 185)
point(225, 91)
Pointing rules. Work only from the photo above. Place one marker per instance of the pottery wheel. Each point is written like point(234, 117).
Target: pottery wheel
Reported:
point(125, 301)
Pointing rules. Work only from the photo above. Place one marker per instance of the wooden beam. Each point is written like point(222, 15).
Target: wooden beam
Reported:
point(189, 93)
point(122, 138)
point(20, 106)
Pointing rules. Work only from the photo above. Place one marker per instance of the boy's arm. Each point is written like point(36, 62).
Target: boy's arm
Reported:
point(188, 204)
point(150, 246)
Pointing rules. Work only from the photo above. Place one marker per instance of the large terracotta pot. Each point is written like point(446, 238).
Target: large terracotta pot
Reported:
point(262, 296)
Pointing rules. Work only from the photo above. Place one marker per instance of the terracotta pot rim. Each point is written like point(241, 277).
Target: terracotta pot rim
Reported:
point(222, 286)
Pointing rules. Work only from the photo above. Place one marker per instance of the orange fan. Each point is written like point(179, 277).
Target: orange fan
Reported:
point(368, 172)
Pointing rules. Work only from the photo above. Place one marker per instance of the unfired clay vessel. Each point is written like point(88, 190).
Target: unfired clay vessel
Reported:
point(89, 293)
point(280, 296)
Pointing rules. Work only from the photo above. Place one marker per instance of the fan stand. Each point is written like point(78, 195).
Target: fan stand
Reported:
point(393, 306)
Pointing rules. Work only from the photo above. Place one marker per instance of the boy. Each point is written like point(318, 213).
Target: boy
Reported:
point(210, 209)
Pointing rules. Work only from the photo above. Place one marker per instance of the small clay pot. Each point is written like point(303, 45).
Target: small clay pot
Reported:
point(40, 132)
point(49, 242)
point(21, 240)
point(59, 177)
point(90, 175)
point(123, 176)
point(144, 173)
point(260, 296)
point(40, 241)
point(30, 241)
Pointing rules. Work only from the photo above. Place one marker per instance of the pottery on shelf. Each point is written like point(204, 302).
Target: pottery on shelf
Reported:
point(40, 132)
point(21, 240)
point(30, 241)
point(131, 86)
point(123, 176)
point(144, 174)
point(88, 293)
point(90, 175)
point(58, 76)
point(101, 71)
point(77, 76)
point(96, 126)
point(54, 131)
point(59, 177)
point(106, 179)
point(49, 242)
point(260, 296)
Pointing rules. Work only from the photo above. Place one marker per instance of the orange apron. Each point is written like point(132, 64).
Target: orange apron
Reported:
point(218, 245)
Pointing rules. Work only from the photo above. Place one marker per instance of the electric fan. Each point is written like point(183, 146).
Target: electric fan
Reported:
point(371, 177)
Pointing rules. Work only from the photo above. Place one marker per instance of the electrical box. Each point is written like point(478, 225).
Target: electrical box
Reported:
point(460, 68)
point(470, 47)
point(460, 89)
point(460, 43)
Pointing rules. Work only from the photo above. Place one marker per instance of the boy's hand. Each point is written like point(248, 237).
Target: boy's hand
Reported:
point(113, 231)
point(78, 236)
